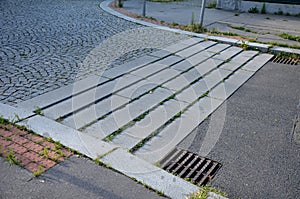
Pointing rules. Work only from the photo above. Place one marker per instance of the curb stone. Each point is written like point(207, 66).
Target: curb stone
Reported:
point(262, 47)
point(119, 159)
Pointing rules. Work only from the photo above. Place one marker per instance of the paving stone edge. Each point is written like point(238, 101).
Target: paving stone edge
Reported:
point(98, 149)
point(262, 47)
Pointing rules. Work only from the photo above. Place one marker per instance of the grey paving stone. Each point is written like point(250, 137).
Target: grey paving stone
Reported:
point(277, 49)
point(224, 40)
point(95, 111)
point(195, 49)
point(149, 101)
point(149, 70)
point(160, 54)
point(261, 47)
point(198, 58)
point(216, 49)
point(226, 89)
point(14, 114)
point(151, 175)
point(163, 76)
point(182, 66)
point(177, 83)
point(155, 149)
point(129, 66)
point(149, 124)
point(137, 89)
point(89, 97)
point(257, 62)
point(228, 53)
point(216, 76)
point(212, 195)
point(239, 60)
point(126, 114)
point(192, 75)
point(62, 93)
point(207, 66)
point(192, 40)
point(188, 95)
point(176, 47)
point(87, 145)
point(169, 60)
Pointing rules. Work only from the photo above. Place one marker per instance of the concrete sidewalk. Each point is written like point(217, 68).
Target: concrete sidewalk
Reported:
point(264, 27)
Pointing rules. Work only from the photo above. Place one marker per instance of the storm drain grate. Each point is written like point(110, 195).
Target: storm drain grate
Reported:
point(285, 60)
point(188, 165)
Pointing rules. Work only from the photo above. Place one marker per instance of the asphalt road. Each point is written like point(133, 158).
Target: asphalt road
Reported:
point(256, 147)
point(77, 177)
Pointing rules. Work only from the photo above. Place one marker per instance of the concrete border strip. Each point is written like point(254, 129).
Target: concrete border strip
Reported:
point(262, 47)
point(118, 158)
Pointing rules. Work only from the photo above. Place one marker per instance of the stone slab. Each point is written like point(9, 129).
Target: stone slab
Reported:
point(195, 49)
point(228, 53)
point(14, 114)
point(129, 66)
point(277, 49)
point(149, 124)
point(160, 53)
point(158, 179)
point(198, 58)
point(121, 117)
point(90, 97)
point(160, 145)
point(239, 60)
point(169, 61)
point(258, 62)
point(163, 76)
point(177, 83)
point(137, 89)
point(95, 111)
point(226, 89)
point(148, 70)
point(215, 77)
point(207, 66)
point(62, 93)
point(67, 136)
point(182, 66)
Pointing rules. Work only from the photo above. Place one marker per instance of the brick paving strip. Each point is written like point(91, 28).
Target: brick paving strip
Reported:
point(33, 152)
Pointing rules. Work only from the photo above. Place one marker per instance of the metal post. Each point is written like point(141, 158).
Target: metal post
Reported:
point(144, 8)
point(202, 12)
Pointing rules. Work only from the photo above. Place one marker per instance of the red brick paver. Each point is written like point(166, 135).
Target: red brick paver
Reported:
point(34, 152)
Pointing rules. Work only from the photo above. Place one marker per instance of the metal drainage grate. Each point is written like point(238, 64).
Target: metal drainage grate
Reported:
point(284, 60)
point(190, 166)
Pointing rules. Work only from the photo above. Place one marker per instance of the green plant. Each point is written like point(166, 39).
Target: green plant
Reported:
point(290, 37)
point(263, 9)
point(253, 10)
point(244, 45)
point(44, 153)
point(39, 171)
point(193, 19)
point(280, 12)
point(12, 159)
point(237, 27)
point(38, 111)
point(212, 5)
point(203, 191)
point(227, 60)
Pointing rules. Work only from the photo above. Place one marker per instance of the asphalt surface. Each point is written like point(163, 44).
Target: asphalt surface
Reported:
point(263, 27)
point(256, 146)
point(77, 177)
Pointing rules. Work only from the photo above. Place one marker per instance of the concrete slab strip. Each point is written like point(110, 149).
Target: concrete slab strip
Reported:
point(149, 174)
point(62, 93)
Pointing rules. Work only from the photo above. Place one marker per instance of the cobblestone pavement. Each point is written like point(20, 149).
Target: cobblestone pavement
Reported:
point(45, 44)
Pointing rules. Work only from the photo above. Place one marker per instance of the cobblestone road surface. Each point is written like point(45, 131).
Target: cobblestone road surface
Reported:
point(47, 44)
